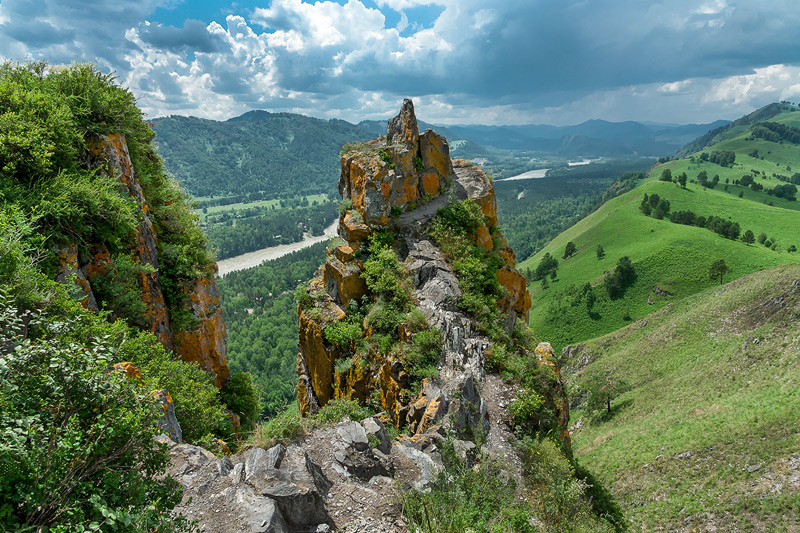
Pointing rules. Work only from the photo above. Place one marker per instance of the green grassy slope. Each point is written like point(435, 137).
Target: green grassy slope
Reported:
point(710, 431)
point(677, 258)
point(673, 256)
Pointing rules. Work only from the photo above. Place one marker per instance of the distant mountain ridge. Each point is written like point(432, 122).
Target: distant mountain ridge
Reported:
point(759, 115)
point(277, 153)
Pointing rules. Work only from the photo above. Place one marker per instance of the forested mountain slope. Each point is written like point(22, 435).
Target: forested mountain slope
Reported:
point(258, 152)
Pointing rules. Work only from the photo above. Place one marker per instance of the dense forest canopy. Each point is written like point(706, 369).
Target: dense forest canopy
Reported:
point(258, 152)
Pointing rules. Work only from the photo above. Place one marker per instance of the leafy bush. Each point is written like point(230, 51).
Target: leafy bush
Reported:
point(343, 334)
point(345, 206)
point(77, 449)
point(196, 399)
point(560, 498)
point(283, 427)
point(335, 410)
point(475, 269)
point(466, 499)
point(241, 397)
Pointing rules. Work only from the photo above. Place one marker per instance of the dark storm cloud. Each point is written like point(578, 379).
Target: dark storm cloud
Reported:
point(193, 36)
point(512, 59)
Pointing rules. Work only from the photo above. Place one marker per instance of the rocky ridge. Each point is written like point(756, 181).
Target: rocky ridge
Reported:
point(345, 477)
point(205, 341)
point(400, 182)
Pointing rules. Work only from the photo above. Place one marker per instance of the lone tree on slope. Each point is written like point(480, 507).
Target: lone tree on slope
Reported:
point(570, 250)
point(718, 270)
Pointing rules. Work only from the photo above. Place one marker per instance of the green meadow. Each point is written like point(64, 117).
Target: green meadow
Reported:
point(708, 433)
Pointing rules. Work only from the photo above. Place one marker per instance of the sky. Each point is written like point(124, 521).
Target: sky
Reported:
point(462, 61)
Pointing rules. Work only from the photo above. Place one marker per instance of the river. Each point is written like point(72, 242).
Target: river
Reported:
point(251, 259)
point(530, 175)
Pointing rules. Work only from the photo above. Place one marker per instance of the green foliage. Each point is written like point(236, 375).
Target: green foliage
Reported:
point(302, 296)
point(119, 289)
point(46, 176)
point(344, 365)
point(77, 440)
point(561, 498)
point(624, 274)
point(419, 164)
point(261, 319)
point(524, 408)
point(287, 425)
point(465, 499)
point(475, 269)
point(425, 349)
point(387, 279)
point(547, 265)
point(343, 334)
point(570, 250)
point(196, 399)
point(718, 270)
point(345, 206)
point(241, 396)
point(335, 410)
point(604, 387)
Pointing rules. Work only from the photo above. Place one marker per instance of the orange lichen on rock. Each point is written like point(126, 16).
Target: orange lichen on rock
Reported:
point(207, 343)
point(352, 231)
point(110, 153)
point(517, 298)
point(343, 281)
point(70, 272)
point(395, 173)
point(130, 371)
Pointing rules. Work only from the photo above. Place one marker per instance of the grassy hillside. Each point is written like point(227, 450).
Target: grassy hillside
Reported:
point(675, 257)
point(708, 434)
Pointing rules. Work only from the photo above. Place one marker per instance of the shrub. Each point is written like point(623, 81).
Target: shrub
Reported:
point(283, 427)
point(345, 206)
point(335, 410)
point(196, 399)
point(77, 445)
point(241, 396)
point(343, 334)
point(466, 499)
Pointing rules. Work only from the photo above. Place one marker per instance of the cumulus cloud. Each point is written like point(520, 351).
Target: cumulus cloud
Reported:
point(511, 61)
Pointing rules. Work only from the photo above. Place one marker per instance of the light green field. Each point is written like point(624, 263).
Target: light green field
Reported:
point(217, 209)
point(677, 258)
point(710, 432)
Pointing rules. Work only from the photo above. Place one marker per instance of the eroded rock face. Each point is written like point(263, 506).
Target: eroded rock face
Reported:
point(400, 181)
point(545, 355)
point(259, 491)
point(396, 173)
point(207, 343)
point(205, 340)
point(110, 153)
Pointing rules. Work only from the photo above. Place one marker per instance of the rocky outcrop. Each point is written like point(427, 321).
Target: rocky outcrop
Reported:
point(556, 397)
point(207, 343)
point(393, 174)
point(400, 181)
point(279, 490)
point(202, 338)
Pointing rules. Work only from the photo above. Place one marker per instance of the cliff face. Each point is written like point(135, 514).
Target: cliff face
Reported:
point(204, 341)
point(399, 183)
